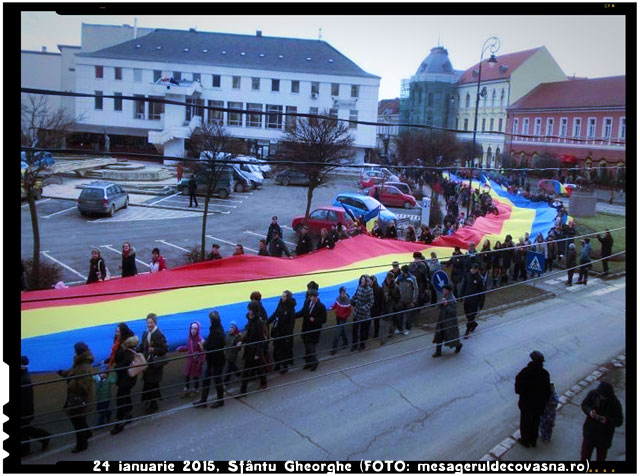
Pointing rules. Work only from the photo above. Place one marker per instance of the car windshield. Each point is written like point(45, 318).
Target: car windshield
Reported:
point(92, 194)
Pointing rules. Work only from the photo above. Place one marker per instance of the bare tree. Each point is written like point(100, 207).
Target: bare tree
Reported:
point(432, 147)
point(212, 145)
point(41, 127)
point(325, 142)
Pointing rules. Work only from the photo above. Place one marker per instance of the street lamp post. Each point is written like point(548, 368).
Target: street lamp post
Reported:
point(492, 44)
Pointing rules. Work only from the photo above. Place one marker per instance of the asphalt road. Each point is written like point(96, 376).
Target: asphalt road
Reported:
point(67, 237)
point(405, 405)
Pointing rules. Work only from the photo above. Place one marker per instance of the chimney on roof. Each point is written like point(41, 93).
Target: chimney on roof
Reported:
point(44, 49)
point(259, 33)
point(135, 28)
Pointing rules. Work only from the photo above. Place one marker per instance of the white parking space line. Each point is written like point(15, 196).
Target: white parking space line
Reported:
point(61, 211)
point(287, 227)
point(262, 236)
point(118, 252)
point(172, 245)
point(37, 203)
point(165, 198)
point(230, 243)
point(46, 253)
point(219, 205)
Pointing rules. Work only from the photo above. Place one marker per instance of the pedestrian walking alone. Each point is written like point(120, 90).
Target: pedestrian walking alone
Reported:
point(606, 248)
point(534, 387)
point(604, 414)
point(447, 328)
point(193, 187)
point(473, 300)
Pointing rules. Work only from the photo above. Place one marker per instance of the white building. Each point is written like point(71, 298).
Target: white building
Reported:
point(252, 73)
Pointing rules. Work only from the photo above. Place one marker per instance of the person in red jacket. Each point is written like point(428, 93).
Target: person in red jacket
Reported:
point(342, 308)
point(158, 262)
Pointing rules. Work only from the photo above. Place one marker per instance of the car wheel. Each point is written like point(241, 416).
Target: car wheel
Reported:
point(239, 188)
point(84, 214)
point(407, 205)
point(112, 210)
point(298, 228)
point(224, 193)
point(253, 185)
point(284, 181)
point(126, 203)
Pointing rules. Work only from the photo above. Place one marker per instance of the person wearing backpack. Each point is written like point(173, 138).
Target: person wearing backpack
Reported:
point(125, 342)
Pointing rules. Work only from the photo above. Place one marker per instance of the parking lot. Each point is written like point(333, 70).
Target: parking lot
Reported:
point(168, 223)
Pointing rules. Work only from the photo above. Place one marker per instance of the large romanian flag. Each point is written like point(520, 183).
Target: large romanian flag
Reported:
point(53, 320)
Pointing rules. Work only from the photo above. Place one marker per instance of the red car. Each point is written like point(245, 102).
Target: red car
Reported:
point(390, 196)
point(323, 217)
point(373, 177)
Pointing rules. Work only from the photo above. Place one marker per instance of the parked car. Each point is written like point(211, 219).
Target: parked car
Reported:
point(372, 177)
point(292, 177)
point(261, 165)
point(403, 187)
point(244, 181)
point(102, 197)
point(323, 217)
point(255, 180)
point(223, 187)
point(390, 196)
point(358, 205)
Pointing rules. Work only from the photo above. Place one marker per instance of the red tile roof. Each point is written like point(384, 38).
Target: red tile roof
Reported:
point(512, 61)
point(391, 105)
point(594, 92)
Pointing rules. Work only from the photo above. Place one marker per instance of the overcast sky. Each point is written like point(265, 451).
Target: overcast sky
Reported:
point(391, 47)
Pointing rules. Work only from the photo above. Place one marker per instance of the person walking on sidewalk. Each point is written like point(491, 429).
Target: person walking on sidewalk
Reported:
point(283, 321)
point(215, 347)
point(447, 327)
point(604, 414)
point(193, 186)
point(585, 262)
point(314, 315)
point(154, 347)
point(473, 300)
point(362, 304)
point(534, 387)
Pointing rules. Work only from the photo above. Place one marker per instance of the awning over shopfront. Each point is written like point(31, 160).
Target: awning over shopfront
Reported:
point(568, 159)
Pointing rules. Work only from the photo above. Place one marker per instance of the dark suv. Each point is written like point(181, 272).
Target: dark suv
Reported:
point(103, 198)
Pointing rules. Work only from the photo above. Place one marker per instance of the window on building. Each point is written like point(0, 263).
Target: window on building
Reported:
point(157, 75)
point(291, 121)
point(606, 129)
point(99, 72)
point(622, 134)
point(98, 101)
point(215, 82)
point(138, 109)
point(255, 84)
point(274, 116)
point(156, 109)
point(335, 89)
point(467, 100)
point(197, 77)
point(117, 72)
point(137, 75)
point(466, 124)
point(493, 97)
point(353, 116)
point(194, 108)
point(315, 88)
point(236, 83)
point(430, 99)
point(577, 124)
point(177, 75)
point(457, 122)
point(295, 87)
point(502, 96)
point(525, 126)
point(254, 120)
point(333, 113)
point(216, 117)
point(491, 124)
point(355, 91)
point(564, 124)
point(484, 98)
point(117, 102)
point(591, 128)
point(516, 123)
point(537, 127)
point(500, 125)
point(275, 85)
point(549, 126)
point(484, 124)
point(234, 118)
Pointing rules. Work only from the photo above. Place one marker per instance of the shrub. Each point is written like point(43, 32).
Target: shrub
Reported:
point(50, 275)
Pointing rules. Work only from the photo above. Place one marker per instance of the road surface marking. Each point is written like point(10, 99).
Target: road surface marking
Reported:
point(165, 198)
point(230, 243)
point(143, 214)
point(61, 211)
point(262, 236)
point(37, 203)
point(62, 264)
point(118, 252)
point(174, 246)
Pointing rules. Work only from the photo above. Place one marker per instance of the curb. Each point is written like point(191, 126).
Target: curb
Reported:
point(505, 445)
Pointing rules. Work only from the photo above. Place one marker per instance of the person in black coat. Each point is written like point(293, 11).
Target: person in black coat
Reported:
point(378, 304)
point(125, 342)
point(97, 267)
point(325, 240)
point(392, 232)
point(214, 346)
point(128, 260)
point(253, 341)
point(534, 387)
point(273, 228)
point(304, 242)
point(154, 347)
point(27, 431)
point(606, 249)
point(314, 315)
point(604, 414)
point(193, 187)
point(277, 246)
point(458, 272)
point(283, 320)
point(473, 302)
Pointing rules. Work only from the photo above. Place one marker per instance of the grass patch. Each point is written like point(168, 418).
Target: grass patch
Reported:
point(598, 223)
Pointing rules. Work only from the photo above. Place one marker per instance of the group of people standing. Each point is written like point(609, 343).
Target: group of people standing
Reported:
point(98, 270)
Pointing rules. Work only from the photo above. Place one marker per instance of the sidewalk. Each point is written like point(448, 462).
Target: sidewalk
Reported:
point(566, 439)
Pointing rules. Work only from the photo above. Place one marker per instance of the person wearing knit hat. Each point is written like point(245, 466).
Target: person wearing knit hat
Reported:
point(604, 414)
point(195, 360)
point(27, 407)
point(533, 384)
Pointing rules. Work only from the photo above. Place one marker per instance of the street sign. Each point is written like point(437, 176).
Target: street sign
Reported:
point(440, 278)
point(535, 262)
